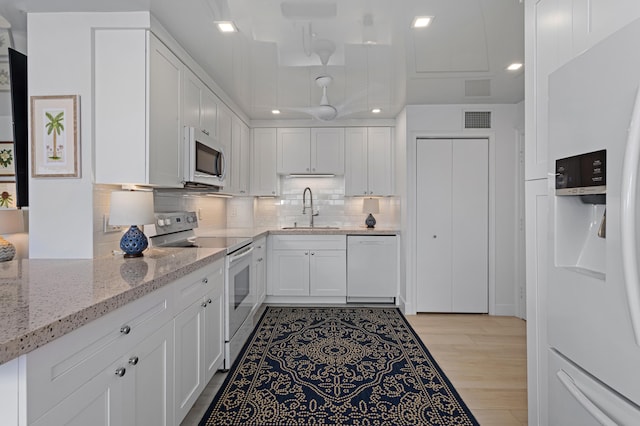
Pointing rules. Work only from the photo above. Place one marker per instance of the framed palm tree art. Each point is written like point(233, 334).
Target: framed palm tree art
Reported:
point(54, 136)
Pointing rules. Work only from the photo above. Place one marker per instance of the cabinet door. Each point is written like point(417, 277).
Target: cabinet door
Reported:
point(380, 161)
point(264, 174)
point(120, 82)
point(99, 402)
point(327, 150)
point(149, 391)
point(355, 174)
point(294, 150)
point(259, 270)
point(245, 159)
point(213, 332)
point(433, 210)
point(188, 363)
point(239, 157)
point(208, 112)
point(328, 273)
point(290, 272)
point(164, 129)
point(191, 99)
point(224, 133)
point(233, 178)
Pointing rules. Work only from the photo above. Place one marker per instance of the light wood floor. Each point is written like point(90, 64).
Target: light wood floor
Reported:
point(485, 358)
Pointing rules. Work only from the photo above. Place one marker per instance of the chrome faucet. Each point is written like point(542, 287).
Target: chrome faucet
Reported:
point(304, 204)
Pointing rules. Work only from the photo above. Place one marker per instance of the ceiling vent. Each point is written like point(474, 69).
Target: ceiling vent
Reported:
point(477, 119)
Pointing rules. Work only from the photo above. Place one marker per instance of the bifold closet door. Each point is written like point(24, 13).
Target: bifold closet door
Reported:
point(452, 194)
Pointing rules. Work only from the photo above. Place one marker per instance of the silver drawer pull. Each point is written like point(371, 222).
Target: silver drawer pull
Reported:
point(205, 280)
point(125, 329)
point(133, 360)
point(121, 371)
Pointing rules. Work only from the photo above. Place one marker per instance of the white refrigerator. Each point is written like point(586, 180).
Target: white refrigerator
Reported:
point(593, 300)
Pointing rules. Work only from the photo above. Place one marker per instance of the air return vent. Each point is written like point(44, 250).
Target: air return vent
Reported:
point(477, 119)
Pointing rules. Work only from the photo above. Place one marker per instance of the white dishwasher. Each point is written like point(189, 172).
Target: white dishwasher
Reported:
point(372, 268)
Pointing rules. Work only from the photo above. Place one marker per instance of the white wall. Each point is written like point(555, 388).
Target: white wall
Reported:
point(447, 121)
point(60, 63)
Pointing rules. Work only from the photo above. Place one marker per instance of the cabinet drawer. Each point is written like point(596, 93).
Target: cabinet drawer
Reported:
point(55, 370)
point(194, 286)
point(311, 242)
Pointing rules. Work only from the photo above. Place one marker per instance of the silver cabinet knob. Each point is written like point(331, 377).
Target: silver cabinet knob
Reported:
point(125, 329)
point(435, 236)
point(204, 304)
point(312, 254)
point(205, 280)
point(133, 360)
point(121, 371)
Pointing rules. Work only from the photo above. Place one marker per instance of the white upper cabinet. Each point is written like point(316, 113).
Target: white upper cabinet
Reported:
point(138, 132)
point(240, 157)
point(264, 174)
point(369, 161)
point(327, 150)
point(199, 106)
point(294, 151)
point(303, 150)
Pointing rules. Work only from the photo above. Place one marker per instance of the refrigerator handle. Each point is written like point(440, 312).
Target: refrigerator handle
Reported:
point(589, 405)
point(628, 235)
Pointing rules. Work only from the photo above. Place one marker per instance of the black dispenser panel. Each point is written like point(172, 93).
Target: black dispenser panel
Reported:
point(584, 174)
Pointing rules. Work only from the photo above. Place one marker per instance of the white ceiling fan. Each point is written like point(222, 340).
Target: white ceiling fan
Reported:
point(325, 111)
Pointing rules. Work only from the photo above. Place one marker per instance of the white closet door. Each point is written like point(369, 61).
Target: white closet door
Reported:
point(434, 158)
point(470, 228)
point(452, 190)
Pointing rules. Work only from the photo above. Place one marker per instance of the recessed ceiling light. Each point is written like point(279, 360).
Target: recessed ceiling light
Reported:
point(275, 111)
point(514, 67)
point(376, 110)
point(421, 21)
point(226, 26)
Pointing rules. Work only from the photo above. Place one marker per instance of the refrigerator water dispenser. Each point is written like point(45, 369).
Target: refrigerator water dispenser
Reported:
point(580, 222)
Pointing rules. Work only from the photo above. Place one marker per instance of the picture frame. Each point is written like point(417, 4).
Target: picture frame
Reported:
point(54, 136)
point(5, 82)
point(7, 159)
point(7, 195)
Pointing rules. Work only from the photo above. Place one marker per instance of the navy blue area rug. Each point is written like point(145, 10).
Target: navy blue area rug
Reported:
point(336, 366)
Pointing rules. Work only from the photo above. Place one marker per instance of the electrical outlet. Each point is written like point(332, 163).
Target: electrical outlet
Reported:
point(108, 229)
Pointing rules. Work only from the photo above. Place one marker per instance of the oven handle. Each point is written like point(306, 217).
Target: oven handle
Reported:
point(237, 257)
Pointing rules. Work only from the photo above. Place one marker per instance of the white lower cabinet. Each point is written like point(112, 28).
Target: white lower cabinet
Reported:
point(142, 364)
point(199, 335)
point(260, 270)
point(134, 390)
point(306, 265)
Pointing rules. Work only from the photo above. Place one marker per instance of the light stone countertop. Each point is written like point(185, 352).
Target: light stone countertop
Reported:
point(43, 299)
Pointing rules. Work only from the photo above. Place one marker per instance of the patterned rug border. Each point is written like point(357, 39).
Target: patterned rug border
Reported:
point(240, 357)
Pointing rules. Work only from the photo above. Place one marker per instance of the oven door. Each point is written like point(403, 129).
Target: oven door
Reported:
point(239, 295)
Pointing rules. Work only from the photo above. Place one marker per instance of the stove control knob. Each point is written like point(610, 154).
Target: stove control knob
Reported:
point(167, 221)
point(160, 222)
point(189, 219)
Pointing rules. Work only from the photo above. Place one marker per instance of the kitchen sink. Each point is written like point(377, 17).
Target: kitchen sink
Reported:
point(310, 227)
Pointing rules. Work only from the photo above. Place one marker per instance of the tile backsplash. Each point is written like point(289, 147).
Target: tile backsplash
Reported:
point(329, 201)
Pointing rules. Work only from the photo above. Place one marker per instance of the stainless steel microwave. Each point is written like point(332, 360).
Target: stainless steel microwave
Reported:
point(204, 160)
